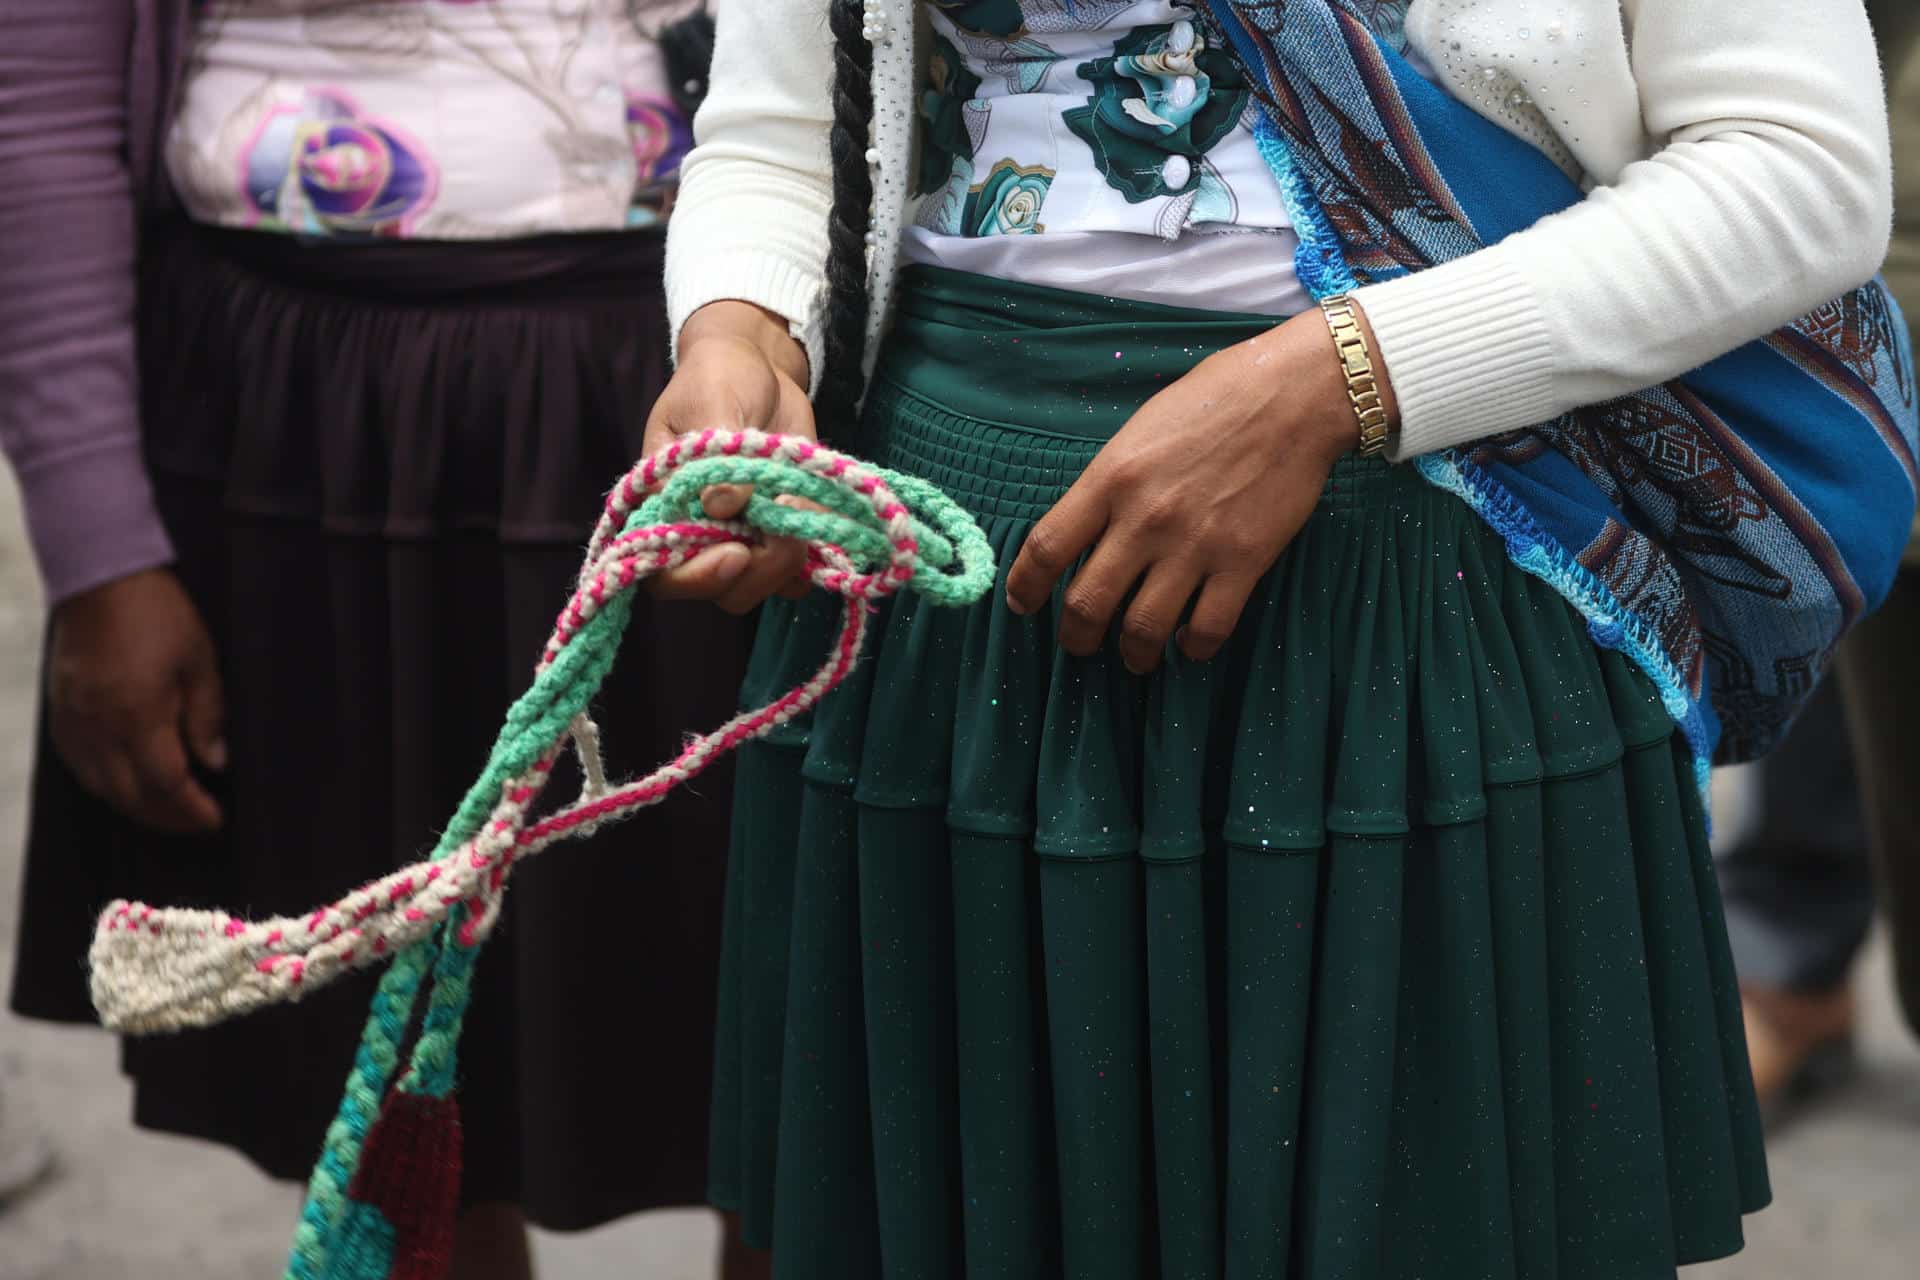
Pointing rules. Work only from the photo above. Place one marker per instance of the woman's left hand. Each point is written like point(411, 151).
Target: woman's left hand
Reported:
point(1195, 497)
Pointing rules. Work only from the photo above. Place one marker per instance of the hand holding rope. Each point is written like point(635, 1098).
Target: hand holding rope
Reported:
point(157, 969)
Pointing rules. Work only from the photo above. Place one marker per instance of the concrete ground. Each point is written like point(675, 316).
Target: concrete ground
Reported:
point(128, 1204)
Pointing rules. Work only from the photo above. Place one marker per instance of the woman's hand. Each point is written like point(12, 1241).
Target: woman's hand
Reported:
point(1195, 497)
point(739, 368)
point(133, 694)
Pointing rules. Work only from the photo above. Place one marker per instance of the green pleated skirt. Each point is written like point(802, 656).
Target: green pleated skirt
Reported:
point(1385, 946)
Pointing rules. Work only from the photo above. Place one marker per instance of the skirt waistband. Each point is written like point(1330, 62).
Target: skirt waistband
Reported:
point(1002, 392)
point(1074, 365)
point(416, 406)
point(606, 266)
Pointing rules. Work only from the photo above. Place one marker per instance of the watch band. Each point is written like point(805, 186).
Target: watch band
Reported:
point(1356, 361)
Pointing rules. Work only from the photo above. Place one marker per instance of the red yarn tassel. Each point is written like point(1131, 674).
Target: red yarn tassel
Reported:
point(410, 1171)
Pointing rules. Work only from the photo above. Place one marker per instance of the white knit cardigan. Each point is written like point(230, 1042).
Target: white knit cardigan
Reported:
point(1735, 152)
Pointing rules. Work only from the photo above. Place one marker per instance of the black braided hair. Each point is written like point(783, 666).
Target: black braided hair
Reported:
point(848, 223)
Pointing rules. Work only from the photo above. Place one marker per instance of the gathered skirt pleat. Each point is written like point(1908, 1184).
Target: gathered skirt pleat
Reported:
point(379, 465)
point(1385, 946)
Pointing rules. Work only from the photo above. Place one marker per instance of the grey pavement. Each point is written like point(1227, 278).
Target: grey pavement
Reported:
point(124, 1204)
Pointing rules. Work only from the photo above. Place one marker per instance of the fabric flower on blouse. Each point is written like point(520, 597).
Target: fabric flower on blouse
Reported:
point(1161, 95)
point(1008, 202)
point(985, 17)
point(316, 166)
point(946, 142)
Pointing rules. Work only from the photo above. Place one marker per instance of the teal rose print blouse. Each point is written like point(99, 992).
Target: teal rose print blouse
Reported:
point(1051, 116)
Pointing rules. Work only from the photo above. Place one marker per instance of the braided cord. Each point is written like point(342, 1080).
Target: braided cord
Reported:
point(157, 968)
point(532, 724)
point(373, 1066)
point(431, 1071)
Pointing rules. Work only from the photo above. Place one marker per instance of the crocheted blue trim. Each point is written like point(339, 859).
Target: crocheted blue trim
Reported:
point(1321, 262)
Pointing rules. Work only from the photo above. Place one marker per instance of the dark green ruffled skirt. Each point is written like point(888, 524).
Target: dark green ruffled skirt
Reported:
point(1383, 947)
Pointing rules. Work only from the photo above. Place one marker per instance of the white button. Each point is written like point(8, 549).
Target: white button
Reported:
point(1180, 38)
point(1176, 171)
point(1183, 91)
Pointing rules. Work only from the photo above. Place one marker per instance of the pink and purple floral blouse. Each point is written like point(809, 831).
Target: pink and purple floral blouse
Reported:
point(428, 119)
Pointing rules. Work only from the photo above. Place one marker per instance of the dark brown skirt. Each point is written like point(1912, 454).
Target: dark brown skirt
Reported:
point(379, 465)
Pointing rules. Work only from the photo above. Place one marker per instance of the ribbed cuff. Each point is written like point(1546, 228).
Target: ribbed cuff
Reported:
point(765, 280)
point(92, 519)
point(739, 234)
point(1468, 351)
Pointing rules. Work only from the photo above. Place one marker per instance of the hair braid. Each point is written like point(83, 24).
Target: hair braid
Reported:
point(851, 217)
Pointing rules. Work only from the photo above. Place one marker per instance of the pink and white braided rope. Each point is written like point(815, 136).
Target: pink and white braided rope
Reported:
point(159, 969)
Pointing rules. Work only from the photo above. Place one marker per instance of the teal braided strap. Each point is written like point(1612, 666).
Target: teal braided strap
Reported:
point(868, 533)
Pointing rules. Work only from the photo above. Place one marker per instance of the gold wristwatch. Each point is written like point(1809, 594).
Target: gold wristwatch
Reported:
point(1363, 389)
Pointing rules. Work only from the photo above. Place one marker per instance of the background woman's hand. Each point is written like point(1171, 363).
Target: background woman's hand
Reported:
point(739, 367)
point(1195, 498)
point(133, 696)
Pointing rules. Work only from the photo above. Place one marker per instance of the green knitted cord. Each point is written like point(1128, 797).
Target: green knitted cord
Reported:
point(954, 566)
point(373, 1066)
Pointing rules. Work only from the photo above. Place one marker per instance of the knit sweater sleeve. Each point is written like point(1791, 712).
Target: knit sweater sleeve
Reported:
point(1769, 194)
point(750, 222)
point(69, 417)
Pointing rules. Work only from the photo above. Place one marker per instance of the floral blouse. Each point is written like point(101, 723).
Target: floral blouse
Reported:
point(1117, 133)
point(428, 119)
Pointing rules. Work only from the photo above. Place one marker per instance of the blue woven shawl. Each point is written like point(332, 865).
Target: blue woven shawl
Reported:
point(1725, 529)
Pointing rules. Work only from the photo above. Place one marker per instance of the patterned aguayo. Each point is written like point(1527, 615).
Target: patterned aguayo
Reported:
point(1724, 529)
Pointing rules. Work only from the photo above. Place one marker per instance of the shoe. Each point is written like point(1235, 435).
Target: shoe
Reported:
point(1801, 1045)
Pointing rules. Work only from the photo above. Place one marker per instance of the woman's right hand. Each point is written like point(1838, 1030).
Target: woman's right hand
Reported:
point(739, 367)
point(134, 694)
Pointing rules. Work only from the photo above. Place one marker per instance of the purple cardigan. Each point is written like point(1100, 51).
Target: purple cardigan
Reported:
point(86, 87)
